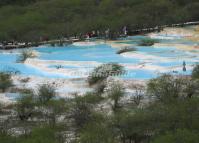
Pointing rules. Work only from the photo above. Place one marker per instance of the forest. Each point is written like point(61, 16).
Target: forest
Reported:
point(31, 20)
point(165, 111)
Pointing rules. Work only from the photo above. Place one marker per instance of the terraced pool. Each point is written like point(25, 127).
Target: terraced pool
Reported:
point(77, 60)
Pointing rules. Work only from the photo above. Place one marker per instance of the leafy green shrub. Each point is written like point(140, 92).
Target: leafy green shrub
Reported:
point(179, 136)
point(195, 72)
point(147, 42)
point(43, 135)
point(104, 71)
point(46, 93)
point(81, 111)
point(5, 81)
point(116, 92)
point(96, 133)
point(38, 135)
point(25, 54)
point(54, 107)
point(92, 98)
point(167, 88)
point(25, 106)
point(125, 50)
point(4, 138)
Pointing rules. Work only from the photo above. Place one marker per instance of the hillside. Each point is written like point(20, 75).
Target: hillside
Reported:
point(29, 20)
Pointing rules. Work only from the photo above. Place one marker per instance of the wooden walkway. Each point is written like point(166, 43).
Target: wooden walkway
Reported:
point(54, 42)
point(69, 41)
point(157, 28)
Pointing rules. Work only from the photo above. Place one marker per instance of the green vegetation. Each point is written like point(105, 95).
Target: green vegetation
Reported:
point(33, 20)
point(182, 136)
point(38, 135)
point(104, 71)
point(195, 72)
point(125, 50)
point(148, 42)
point(166, 113)
point(5, 81)
point(24, 55)
point(25, 106)
point(97, 132)
point(115, 93)
point(46, 93)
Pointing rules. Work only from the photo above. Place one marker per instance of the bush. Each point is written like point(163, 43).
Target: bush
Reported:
point(5, 81)
point(81, 111)
point(116, 92)
point(104, 71)
point(179, 136)
point(91, 98)
point(25, 106)
point(125, 50)
point(42, 135)
point(4, 138)
point(38, 135)
point(147, 42)
point(167, 88)
point(46, 93)
point(195, 72)
point(25, 55)
point(96, 133)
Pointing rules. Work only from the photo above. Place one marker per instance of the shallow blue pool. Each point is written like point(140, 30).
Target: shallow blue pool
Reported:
point(166, 57)
point(99, 53)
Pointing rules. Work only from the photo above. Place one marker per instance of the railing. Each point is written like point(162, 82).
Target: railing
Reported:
point(164, 26)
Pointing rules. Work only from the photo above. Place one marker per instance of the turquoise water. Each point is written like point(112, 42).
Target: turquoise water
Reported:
point(99, 53)
point(103, 53)
point(12, 96)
